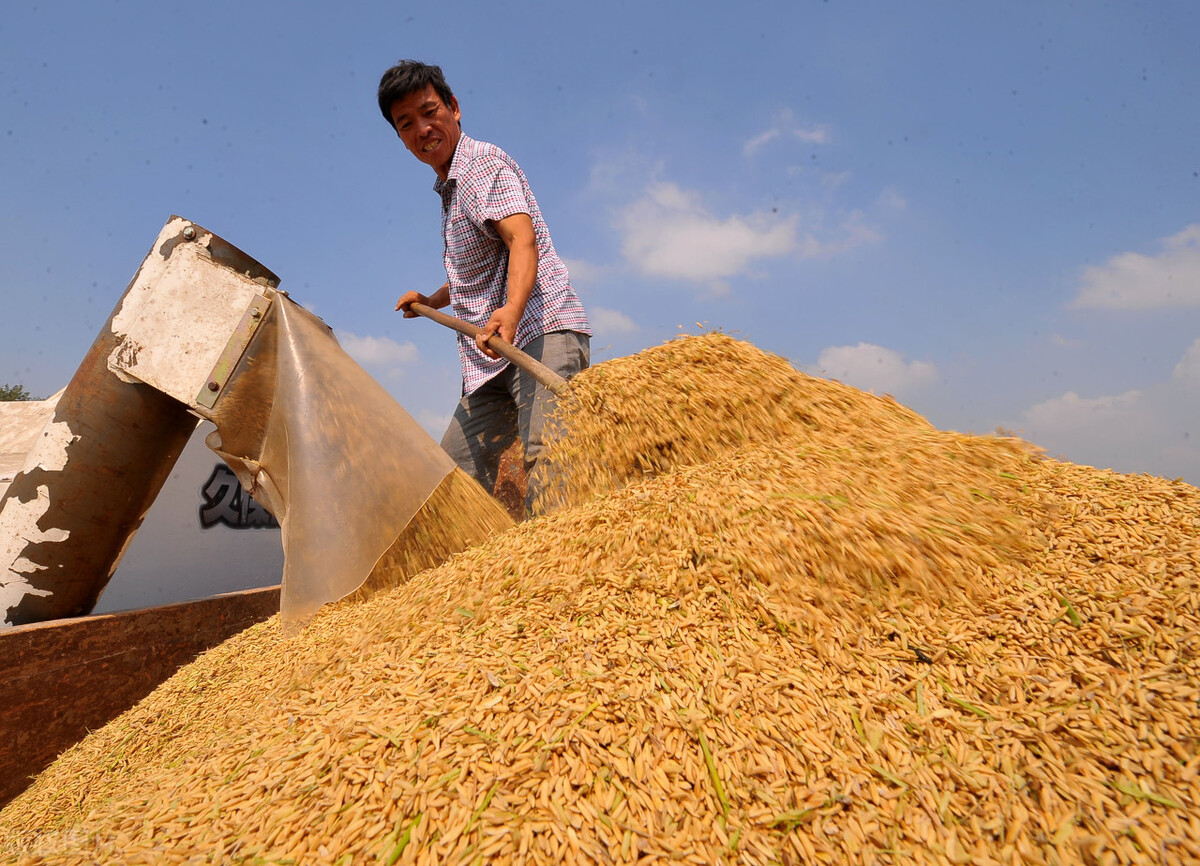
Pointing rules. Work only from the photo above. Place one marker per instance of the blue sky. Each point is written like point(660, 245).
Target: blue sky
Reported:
point(989, 210)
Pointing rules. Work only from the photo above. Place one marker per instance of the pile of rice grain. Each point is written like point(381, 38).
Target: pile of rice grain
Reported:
point(784, 621)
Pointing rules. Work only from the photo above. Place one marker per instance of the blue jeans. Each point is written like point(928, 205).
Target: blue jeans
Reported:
point(509, 405)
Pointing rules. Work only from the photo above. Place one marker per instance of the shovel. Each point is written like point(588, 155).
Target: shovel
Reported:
point(497, 344)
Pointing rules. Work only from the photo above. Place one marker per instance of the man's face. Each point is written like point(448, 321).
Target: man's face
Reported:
point(428, 127)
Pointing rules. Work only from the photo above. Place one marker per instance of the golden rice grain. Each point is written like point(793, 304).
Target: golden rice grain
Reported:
point(772, 620)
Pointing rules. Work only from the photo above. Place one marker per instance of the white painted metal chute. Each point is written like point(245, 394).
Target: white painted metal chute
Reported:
point(203, 536)
point(202, 332)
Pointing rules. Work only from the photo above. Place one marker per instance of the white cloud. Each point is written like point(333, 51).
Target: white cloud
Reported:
point(1187, 371)
point(759, 140)
point(784, 125)
point(1071, 410)
point(377, 351)
point(834, 179)
point(669, 233)
point(583, 273)
point(892, 200)
point(854, 232)
point(610, 322)
point(1153, 429)
point(434, 423)
point(614, 172)
point(1066, 342)
point(1133, 281)
point(875, 368)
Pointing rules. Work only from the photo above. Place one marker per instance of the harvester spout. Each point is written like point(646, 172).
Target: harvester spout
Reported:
point(202, 332)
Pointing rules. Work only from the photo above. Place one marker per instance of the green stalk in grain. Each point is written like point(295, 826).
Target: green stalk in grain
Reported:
point(891, 777)
point(479, 810)
point(789, 821)
point(579, 718)
point(1132, 789)
point(483, 735)
point(858, 727)
point(1069, 612)
point(713, 774)
point(959, 702)
point(446, 778)
point(402, 842)
point(968, 706)
point(385, 735)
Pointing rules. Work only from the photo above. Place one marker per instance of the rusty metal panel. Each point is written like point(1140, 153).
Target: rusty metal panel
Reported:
point(100, 461)
point(65, 678)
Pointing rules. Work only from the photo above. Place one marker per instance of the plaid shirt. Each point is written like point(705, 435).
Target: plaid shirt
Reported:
point(484, 184)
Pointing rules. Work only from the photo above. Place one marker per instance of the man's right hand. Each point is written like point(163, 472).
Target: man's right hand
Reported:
point(437, 300)
point(407, 300)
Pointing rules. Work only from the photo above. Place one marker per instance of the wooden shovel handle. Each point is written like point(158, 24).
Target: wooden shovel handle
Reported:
point(500, 346)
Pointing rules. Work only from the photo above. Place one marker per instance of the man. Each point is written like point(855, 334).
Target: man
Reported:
point(503, 275)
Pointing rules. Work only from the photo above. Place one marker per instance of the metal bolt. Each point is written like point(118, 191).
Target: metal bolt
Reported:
point(255, 313)
point(213, 386)
point(189, 234)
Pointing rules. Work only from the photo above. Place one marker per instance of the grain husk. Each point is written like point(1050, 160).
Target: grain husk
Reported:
point(768, 619)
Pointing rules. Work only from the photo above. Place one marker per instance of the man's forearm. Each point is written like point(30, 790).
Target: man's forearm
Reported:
point(440, 298)
point(522, 273)
point(518, 235)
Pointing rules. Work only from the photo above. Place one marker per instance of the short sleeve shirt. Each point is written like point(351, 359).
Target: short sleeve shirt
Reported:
point(484, 185)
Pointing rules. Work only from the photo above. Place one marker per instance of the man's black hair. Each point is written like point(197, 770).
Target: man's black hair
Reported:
point(409, 76)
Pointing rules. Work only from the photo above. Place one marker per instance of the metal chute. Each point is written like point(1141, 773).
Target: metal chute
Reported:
point(203, 332)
